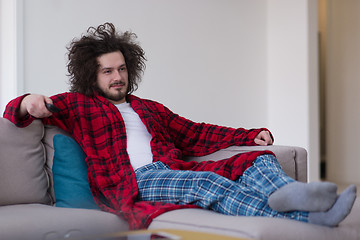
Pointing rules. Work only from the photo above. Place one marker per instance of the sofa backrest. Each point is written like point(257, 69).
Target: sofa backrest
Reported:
point(24, 175)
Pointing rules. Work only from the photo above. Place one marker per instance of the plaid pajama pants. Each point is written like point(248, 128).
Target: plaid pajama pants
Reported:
point(246, 196)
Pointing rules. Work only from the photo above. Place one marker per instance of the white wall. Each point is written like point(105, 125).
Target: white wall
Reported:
point(11, 49)
point(342, 91)
point(205, 61)
point(229, 62)
point(293, 108)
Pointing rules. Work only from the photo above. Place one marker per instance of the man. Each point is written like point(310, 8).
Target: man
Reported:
point(134, 147)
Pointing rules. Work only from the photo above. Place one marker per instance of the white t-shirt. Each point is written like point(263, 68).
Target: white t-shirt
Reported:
point(138, 137)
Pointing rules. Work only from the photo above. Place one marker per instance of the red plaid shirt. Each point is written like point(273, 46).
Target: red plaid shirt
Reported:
point(98, 127)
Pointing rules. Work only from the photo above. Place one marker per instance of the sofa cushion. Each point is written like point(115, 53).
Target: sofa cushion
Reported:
point(22, 160)
point(265, 228)
point(71, 185)
point(39, 221)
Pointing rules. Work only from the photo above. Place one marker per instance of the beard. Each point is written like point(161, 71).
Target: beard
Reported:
point(118, 96)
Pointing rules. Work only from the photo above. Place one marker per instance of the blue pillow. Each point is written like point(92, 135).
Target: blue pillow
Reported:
point(71, 184)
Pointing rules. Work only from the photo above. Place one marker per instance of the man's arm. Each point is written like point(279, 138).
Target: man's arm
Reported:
point(198, 139)
point(24, 109)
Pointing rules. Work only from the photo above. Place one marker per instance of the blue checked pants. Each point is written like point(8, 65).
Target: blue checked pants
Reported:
point(246, 196)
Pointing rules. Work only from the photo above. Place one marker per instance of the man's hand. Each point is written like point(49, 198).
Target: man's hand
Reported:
point(35, 106)
point(263, 139)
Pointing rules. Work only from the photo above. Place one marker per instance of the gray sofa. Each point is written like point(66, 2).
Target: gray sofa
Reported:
point(27, 199)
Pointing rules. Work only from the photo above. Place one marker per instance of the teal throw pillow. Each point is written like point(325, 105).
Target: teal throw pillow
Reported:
point(71, 184)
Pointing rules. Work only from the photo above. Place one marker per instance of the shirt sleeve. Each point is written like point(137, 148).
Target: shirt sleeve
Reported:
point(12, 112)
point(199, 139)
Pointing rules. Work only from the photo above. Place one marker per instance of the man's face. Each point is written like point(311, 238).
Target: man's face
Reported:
point(112, 77)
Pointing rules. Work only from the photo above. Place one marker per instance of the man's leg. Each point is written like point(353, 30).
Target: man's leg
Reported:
point(157, 182)
point(205, 189)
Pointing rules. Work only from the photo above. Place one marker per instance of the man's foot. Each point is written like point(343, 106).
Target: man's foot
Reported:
point(338, 212)
point(311, 197)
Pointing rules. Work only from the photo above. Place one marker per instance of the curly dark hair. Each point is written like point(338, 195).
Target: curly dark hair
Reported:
point(83, 53)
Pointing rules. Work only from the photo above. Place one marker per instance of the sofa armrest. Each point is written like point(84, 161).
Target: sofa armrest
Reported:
point(292, 159)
